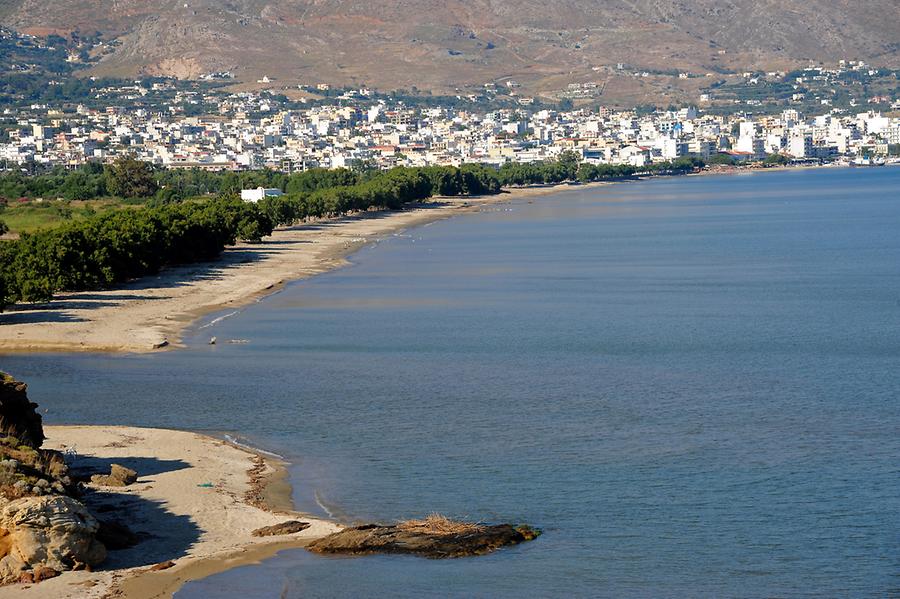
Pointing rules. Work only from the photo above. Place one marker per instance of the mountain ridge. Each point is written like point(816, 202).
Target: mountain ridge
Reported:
point(445, 46)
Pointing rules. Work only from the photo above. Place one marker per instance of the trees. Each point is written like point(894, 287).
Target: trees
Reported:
point(776, 160)
point(7, 292)
point(111, 248)
point(129, 177)
point(569, 162)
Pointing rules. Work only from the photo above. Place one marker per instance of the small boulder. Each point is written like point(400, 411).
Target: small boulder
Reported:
point(126, 475)
point(119, 476)
point(284, 528)
point(162, 566)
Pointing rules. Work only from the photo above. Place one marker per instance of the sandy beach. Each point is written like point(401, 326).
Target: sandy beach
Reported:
point(189, 504)
point(151, 313)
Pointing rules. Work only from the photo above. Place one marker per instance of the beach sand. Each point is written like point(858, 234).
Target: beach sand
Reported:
point(203, 529)
point(152, 312)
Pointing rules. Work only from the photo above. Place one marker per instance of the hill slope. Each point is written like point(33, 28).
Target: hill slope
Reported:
point(443, 44)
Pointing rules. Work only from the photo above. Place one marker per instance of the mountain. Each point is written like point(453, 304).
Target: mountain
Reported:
point(441, 45)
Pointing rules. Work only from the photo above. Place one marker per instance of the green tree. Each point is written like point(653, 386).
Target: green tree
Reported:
point(129, 177)
point(569, 161)
point(776, 160)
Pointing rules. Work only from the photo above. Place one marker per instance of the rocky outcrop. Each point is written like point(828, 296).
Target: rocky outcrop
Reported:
point(18, 417)
point(40, 533)
point(436, 544)
point(285, 528)
point(43, 529)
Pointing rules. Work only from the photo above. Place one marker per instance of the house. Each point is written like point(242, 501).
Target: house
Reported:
point(255, 195)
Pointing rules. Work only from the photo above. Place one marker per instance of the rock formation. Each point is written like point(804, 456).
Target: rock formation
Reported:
point(43, 529)
point(55, 532)
point(426, 538)
point(285, 528)
point(18, 417)
point(119, 476)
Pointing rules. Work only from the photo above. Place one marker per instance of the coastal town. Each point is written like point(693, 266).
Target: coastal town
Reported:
point(50, 116)
point(483, 299)
point(248, 132)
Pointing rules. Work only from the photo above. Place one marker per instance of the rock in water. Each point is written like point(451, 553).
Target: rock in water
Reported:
point(41, 533)
point(18, 416)
point(285, 528)
point(374, 538)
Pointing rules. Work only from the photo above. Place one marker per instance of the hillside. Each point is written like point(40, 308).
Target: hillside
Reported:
point(448, 44)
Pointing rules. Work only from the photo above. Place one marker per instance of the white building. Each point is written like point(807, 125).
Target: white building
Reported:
point(255, 195)
point(800, 146)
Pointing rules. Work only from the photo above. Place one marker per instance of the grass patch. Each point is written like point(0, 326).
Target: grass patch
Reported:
point(28, 217)
point(437, 524)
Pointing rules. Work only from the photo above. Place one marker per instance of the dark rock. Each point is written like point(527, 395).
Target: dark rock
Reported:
point(285, 528)
point(18, 417)
point(374, 538)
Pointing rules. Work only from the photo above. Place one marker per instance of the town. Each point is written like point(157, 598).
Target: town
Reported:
point(247, 133)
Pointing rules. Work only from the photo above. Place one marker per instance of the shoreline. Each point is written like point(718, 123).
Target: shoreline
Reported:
point(204, 530)
point(153, 313)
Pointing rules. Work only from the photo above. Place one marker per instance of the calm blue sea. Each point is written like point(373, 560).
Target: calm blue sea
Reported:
point(692, 385)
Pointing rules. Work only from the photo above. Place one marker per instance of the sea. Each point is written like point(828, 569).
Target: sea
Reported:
point(691, 385)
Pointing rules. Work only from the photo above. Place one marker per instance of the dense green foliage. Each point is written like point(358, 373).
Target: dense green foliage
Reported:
point(320, 192)
point(111, 248)
point(129, 177)
point(776, 160)
point(568, 168)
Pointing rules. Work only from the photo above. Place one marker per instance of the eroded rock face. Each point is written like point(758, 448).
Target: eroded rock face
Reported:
point(18, 417)
point(374, 538)
point(55, 532)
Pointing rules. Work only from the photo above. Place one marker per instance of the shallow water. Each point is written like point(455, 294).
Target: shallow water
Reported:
point(690, 384)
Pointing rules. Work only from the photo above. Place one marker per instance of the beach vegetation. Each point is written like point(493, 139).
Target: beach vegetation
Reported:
point(438, 524)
